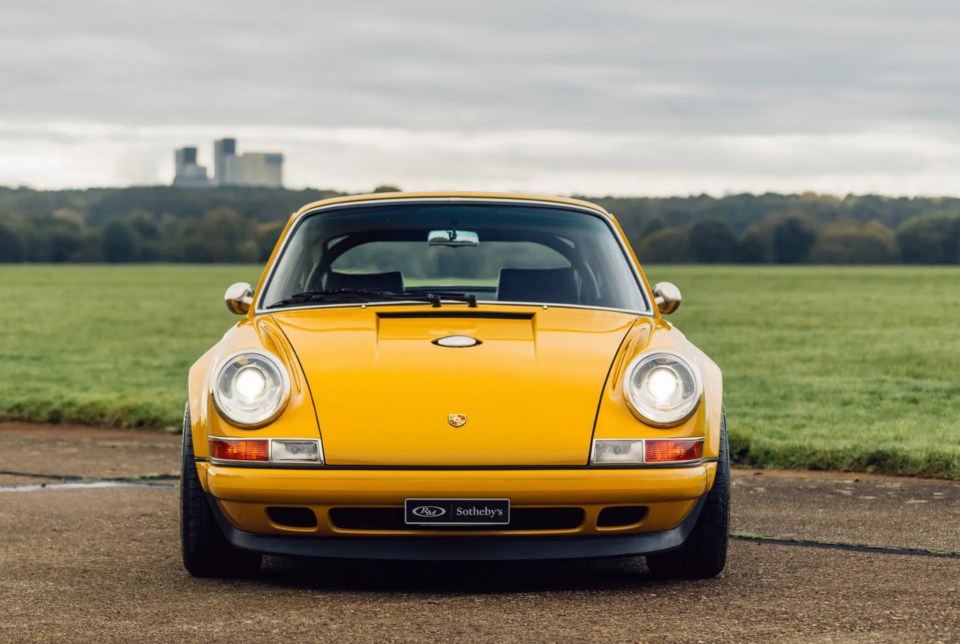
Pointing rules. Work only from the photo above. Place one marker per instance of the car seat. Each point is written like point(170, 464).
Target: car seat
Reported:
point(552, 285)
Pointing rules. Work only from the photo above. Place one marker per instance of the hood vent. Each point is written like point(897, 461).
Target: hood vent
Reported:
point(488, 315)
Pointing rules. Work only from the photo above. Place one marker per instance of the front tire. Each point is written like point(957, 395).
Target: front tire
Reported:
point(704, 553)
point(206, 552)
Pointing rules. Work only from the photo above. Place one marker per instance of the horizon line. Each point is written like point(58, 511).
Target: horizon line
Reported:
point(574, 195)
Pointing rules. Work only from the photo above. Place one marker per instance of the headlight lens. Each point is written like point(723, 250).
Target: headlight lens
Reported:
point(251, 388)
point(663, 388)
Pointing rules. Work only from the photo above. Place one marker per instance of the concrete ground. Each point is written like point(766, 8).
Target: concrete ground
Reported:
point(828, 558)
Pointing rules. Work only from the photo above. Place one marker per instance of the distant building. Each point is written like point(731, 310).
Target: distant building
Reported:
point(188, 174)
point(224, 151)
point(257, 169)
point(260, 169)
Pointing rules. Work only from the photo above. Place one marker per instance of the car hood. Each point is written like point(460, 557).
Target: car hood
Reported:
point(387, 395)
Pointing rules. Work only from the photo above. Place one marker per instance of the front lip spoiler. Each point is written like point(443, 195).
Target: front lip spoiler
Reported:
point(493, 548)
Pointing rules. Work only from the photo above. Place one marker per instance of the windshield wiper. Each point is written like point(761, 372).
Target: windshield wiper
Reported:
point(340, 295)
point(369, 295)
point(434, 298)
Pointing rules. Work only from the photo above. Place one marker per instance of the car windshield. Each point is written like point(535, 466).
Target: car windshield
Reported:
point(434, 252)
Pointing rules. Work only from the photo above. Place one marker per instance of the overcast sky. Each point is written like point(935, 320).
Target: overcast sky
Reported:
point(600, 97)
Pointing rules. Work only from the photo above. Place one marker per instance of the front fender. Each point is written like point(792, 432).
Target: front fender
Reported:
point(614, 418)
point(298, 420)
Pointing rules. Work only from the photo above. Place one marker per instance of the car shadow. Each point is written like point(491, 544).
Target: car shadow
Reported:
point(453, 577)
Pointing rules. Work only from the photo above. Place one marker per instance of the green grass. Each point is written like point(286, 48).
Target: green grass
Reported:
point(825, 368)
point(107, 345)
point(852, 369)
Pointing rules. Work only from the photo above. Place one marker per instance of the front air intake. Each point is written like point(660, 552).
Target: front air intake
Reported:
point(521, 519)
point(621, 516)
point(293, 517)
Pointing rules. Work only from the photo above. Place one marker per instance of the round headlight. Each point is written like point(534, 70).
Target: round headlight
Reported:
point(663, 388)
point(250, 388)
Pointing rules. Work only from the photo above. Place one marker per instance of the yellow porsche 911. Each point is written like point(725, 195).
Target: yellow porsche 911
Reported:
point(454, 377)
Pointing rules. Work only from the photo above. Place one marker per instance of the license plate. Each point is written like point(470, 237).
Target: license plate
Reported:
point(457, 511)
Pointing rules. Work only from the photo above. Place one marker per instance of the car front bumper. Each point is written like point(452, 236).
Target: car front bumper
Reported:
point(671, 497)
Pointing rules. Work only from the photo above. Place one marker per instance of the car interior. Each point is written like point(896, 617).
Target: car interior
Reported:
point(558, 285)
point(517, 255)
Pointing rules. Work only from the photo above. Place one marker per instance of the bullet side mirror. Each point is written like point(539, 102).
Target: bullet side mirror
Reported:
point(667, 296)
point(239, 298)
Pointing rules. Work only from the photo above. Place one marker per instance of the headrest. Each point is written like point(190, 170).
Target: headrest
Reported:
point(551, 285)
point(392, 281)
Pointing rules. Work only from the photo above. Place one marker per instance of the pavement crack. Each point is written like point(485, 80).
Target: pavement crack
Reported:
point(77, 485)
point(91, 479)
point(850, 547)
point(34, 475)
point(60, 481)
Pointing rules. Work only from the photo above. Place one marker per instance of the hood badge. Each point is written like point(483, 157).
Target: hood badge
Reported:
point(457, 420)
point(457, 341)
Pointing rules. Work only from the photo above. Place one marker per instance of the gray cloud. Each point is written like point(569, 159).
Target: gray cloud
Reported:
point(830, 93)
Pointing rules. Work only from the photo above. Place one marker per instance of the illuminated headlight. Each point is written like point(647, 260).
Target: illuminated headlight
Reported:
point(250, 388)
point(662, 388)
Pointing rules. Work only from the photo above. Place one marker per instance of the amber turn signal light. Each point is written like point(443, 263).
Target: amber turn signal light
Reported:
point(674, 450)
point(240, 450)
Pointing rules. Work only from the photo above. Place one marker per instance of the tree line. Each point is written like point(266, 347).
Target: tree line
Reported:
point(219, 225)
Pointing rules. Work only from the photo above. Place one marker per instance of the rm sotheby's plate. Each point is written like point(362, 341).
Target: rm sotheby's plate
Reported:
point(457, 511)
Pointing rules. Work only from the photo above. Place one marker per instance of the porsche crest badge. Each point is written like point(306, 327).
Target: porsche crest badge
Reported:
point(457, 420)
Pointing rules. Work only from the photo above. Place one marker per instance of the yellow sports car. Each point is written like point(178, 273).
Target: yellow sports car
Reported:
point(454, 377)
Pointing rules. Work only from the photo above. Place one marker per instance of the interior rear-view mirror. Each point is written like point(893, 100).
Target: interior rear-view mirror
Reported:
point(454, 238)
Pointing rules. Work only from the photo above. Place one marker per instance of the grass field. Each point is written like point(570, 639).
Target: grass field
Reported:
point(827, 368)
point(833, 368)
point(108, 345)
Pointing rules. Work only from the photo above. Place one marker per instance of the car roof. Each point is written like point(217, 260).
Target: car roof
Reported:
point(465, 196)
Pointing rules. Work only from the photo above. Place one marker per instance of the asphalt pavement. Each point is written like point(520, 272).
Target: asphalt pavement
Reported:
point(89, 551)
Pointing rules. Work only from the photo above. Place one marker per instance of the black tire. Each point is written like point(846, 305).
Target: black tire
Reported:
point(704, 553)
point(206, 552)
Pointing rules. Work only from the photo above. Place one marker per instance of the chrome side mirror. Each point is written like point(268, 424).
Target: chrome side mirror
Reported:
point(667, 297)
point(238, 298)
